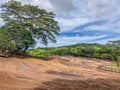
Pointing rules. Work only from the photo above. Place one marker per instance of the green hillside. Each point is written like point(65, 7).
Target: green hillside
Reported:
point(108, 51)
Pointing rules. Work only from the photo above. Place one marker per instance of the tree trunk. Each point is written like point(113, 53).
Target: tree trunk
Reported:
point(26, 48)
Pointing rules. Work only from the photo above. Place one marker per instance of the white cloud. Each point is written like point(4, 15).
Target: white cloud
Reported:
point(74, 40)
point(74, 13)
point(45, 4)
point(104, 41)
point(67, 24)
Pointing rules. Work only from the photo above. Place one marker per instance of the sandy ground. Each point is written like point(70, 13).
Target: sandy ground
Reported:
point(56, 73)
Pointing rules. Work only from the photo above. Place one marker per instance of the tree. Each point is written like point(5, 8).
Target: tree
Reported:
point(29, 23)
point(116, 43)
point(5, 41)
point(16, 35)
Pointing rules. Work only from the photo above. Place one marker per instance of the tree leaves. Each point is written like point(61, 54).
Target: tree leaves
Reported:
point(26, 23)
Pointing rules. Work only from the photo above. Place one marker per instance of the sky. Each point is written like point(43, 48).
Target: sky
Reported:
point(82, 21)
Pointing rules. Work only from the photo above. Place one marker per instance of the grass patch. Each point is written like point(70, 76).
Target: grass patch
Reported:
point(112, 68)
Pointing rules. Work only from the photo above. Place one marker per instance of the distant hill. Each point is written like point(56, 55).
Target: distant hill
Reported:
point(95, 50)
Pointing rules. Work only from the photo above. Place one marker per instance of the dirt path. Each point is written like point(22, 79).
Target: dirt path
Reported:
point(56, 73)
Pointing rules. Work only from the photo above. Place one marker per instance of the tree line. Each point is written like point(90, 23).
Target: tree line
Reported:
point(110, 51)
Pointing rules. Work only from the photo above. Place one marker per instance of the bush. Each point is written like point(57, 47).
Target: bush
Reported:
point(109, 52)
point(118, 61)
point(96, 55)
point(107, 56)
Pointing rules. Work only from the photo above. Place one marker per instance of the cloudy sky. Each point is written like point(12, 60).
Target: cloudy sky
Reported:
point(83, 21)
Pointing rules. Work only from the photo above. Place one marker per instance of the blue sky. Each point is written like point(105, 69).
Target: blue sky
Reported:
point(83, 21)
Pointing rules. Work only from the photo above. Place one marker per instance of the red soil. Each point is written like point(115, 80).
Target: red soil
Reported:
point(56, 73)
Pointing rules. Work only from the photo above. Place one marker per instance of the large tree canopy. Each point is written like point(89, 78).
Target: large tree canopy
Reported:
point(27, 23)
point(14, 34)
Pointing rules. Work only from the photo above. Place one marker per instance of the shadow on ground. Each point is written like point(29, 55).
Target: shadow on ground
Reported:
point(95, 84)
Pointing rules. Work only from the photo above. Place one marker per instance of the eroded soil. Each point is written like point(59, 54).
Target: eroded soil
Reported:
point(56, 73)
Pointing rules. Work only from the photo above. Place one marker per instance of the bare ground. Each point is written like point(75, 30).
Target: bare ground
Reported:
point(56, 73)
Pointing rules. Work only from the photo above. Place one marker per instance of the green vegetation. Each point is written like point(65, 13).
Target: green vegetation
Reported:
point(41, 52)
point(114, 68)
point(24, 24)
point(108, 51)
point(111, 68)
point(82, 50)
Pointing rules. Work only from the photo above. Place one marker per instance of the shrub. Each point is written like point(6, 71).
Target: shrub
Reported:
point(107, 56)
point(118, 61)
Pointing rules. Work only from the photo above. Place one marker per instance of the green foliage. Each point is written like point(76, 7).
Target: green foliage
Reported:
point(109, 52)
point(41, 52)
point(15, 37)
point(107, 56)
point(117, 43)
point(118, 61)
point(113, 68)
point(5, 41)
point(24, 24)
point(96, 55)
